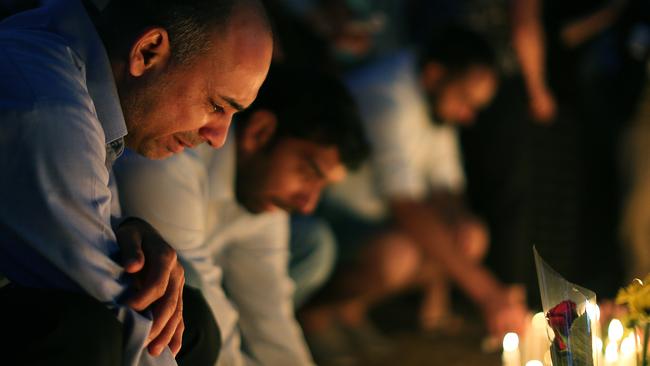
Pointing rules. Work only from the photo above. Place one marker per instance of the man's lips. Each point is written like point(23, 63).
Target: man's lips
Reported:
point(183, 143)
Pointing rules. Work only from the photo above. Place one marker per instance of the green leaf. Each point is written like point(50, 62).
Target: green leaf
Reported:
point(560, 358)
point(580, 341)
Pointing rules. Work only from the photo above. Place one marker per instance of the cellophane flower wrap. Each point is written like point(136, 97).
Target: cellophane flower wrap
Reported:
point(565, 305)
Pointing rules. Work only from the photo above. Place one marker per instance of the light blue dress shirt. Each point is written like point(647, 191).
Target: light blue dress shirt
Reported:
point(61, 125)
point(238, 260)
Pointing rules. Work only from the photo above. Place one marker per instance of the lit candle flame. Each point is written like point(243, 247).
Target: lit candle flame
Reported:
point(510, 342)
point(615, 330)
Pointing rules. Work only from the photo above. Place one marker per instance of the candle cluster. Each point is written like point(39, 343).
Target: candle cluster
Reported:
point(533, 349)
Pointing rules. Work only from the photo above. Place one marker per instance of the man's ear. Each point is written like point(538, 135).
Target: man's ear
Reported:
point(258, 131)
point(432, 74)
point(149, 51)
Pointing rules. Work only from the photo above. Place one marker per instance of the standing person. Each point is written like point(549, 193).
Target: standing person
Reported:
point(75, 80)
point(226, 212)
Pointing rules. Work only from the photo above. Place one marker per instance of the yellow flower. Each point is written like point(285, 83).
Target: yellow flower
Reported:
point(637, 298)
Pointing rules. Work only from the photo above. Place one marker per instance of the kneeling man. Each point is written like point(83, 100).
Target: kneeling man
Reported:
point(226, 211)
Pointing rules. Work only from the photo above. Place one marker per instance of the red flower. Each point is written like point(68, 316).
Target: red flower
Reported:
point(560, 319)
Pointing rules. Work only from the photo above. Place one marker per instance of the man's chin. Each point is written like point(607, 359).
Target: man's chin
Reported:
point(155, 152)
point(261, 207)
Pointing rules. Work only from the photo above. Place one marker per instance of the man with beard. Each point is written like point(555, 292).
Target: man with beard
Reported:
point(226, 211)
point(400, 220)
point(75, 79)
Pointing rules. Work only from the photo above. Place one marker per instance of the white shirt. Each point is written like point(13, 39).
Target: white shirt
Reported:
point(61, 126)
point(411, 156)
point(238, 259)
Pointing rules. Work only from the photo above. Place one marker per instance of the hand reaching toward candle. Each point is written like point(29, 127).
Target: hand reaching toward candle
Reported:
point(506, 311)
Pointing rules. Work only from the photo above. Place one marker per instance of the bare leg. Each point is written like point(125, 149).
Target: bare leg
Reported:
point(472, 239)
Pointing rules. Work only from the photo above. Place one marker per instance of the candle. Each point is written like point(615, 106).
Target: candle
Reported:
point(597, 348)
point(535, 341)
point(611, 353)
point(615, 330)
point(628, 351)
point(593, 312)
point(511, 350)
point(534, 363)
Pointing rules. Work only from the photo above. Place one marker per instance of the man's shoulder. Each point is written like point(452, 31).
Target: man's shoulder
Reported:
point(262, 230)
point(387, 70)
point(180, 171)
point(36, 66)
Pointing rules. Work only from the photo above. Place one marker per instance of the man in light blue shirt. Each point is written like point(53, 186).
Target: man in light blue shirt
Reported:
point(74, 80)
point(226, 211)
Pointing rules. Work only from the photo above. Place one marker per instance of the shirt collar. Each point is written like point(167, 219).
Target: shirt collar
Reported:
point(70, 20)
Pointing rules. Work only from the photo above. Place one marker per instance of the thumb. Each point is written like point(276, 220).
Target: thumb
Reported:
point(130, 243)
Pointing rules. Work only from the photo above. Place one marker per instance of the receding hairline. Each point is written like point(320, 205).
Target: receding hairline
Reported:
point(249, 12)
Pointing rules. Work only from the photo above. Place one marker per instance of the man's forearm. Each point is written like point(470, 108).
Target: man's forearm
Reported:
point(428, 230)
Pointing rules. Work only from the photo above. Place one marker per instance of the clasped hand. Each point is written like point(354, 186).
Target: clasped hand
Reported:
point(158, 279)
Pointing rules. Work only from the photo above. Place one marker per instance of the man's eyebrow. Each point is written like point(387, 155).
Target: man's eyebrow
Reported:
point(233, 103)
point(315, 167)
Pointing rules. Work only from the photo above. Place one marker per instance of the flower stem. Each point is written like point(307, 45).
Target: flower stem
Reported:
point(646, 333)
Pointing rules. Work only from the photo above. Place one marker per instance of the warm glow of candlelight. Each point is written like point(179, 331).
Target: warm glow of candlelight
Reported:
point(597, 344)
point(627, 346)
point(593, 311)
point(534, 363)
point(539, 322)
point(510, 342)
point(611, 352)
point(615, 330)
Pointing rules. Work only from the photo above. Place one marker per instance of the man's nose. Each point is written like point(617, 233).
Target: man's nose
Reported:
point(215, 133)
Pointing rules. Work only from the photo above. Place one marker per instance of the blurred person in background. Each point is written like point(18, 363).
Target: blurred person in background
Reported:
point(400, 220)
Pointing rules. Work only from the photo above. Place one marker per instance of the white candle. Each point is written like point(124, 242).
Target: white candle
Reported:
point(597, 348)
point(534, 363)
point(615, 330)
point(593, 312)
point(535, 341)
point(511, 350)
point(628, 351)
point(611, 353)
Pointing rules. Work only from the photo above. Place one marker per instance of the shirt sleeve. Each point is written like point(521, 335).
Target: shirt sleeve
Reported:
point(55, 227)
point(257, 281)
point(385, 110)
point(56, 201)
point(445, 168)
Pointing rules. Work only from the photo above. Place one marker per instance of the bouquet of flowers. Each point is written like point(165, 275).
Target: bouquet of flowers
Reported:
point(636, 297)
point(566, 307)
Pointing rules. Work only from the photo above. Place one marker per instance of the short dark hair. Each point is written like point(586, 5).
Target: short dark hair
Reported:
point(189, 23)
point(457, 49)
point(314, 106)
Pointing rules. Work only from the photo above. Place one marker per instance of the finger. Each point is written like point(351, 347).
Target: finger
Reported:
point(130, 242)
point(168, 304)
point(159, 270)
point(164, 338)
point(177, 339)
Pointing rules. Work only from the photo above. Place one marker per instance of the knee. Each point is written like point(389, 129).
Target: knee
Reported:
point(202, 338)
point(474, 239)
point(397, 259)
